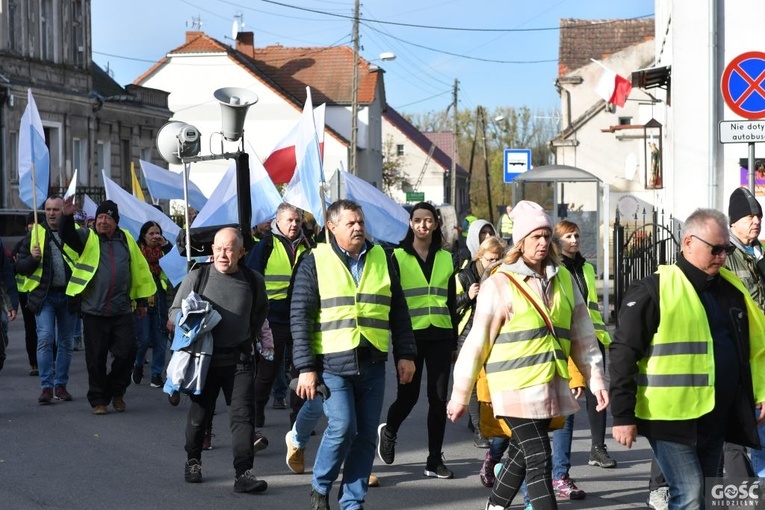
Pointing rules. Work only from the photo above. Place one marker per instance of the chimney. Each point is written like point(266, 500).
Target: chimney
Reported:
point(193, 34)
point(245, 43)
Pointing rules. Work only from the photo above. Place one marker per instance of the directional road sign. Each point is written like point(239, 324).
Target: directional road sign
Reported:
point(517, 161)
point(743, 85)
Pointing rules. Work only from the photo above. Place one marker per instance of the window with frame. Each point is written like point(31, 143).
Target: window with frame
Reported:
point(14, 26)
point(13, 156)
point(103, 160)
point(79, 160)
point(47, 28)
point(400, 149)
point(78, 39)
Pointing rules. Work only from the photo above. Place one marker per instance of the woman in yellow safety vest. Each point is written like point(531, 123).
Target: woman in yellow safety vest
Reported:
point(426, 279)
point(529, 319)
point(468, 280)
point(150, 329)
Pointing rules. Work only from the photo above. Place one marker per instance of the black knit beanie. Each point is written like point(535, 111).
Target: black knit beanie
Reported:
point(742, 203)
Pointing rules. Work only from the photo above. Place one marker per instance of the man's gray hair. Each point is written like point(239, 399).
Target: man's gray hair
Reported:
point(697, 221)
point(285, 207)
point(338, 206)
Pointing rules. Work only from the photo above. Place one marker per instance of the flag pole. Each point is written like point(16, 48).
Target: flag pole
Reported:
point(186, 213)
point(34, 188)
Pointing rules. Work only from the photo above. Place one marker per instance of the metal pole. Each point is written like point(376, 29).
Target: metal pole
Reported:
point(455, 141)
point(751, 168)
point(486, 165)
point(186, 213)
point(354, 91)
point(243, 198)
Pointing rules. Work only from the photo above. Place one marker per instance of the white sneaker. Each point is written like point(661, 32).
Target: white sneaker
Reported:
point(658, 499)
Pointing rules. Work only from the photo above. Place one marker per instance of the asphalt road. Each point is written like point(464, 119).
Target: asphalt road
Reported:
point(60, 456)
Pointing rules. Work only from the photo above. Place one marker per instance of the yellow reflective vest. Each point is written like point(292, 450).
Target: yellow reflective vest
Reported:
point(426, 299)
point(592, 305)
point(141, 281)
point(347, 312)
point(525, 353)
point(676, 376)
point(278, 270)
point(31, 282)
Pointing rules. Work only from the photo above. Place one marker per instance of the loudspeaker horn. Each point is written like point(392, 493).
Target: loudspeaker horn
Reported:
point(177, 140)
point(234, 102)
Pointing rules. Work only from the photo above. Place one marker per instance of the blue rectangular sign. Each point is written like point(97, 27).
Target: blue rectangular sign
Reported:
point(517, 161)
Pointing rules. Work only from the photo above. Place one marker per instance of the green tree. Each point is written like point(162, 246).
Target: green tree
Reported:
point(505, 128)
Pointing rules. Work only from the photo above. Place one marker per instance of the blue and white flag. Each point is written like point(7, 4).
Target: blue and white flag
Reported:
point(222, 207)
point(174, 265)
point(303, 191)
point(166, 184)
point(89, 206)
point(34, 159)
point(263, 193)
point(71, 191)
point(134, 213)
point(385, 220)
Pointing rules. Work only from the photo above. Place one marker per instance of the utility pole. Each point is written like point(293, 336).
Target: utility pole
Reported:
point(486, 163)
point(354, 90)
point(455, 140)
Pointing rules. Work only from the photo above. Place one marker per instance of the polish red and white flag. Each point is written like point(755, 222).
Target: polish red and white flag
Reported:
point(613, 87)
point(281, 163)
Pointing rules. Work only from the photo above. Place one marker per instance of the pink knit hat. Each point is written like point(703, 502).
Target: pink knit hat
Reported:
point(527, 217)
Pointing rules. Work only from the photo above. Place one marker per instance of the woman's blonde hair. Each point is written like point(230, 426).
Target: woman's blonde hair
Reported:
point(516, 252)
point(491, 244)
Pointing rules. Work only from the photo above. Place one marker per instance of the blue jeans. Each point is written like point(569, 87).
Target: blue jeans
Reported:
point(758, 456)
point(498, 447)
point(353, 413)
point(306, 421)
point(685, 467)
point(561, 453)
point(279, 389)
point(148, 330)
point(54, 325)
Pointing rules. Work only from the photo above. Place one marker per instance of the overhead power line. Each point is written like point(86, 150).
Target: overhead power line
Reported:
point(455, 29)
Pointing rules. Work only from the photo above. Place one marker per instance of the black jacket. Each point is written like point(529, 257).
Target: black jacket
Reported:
point(304, 308)
point(639, 319)
point(464, 305)
point(26, 265)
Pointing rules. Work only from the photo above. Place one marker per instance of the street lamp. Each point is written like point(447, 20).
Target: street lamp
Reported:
point(385, 57)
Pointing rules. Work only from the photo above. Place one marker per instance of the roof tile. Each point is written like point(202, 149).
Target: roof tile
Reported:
point(581, 40)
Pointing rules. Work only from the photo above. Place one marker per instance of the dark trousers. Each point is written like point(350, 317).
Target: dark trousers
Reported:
point(104, 335)
point(529, 457)
point(30, 329)
point(236, 381)
point(597, 419)
point(267, 370)
point(436, 356)
point(736, 462)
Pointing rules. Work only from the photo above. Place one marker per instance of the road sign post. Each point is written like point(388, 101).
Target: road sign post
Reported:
point(517, 161)
point(743, 90)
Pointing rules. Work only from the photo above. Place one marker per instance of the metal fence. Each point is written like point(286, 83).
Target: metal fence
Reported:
point(640, 246)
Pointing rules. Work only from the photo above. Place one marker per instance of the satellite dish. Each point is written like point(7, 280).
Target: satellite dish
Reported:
point(177, 140)
point(628, 206)
point(234, 30)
